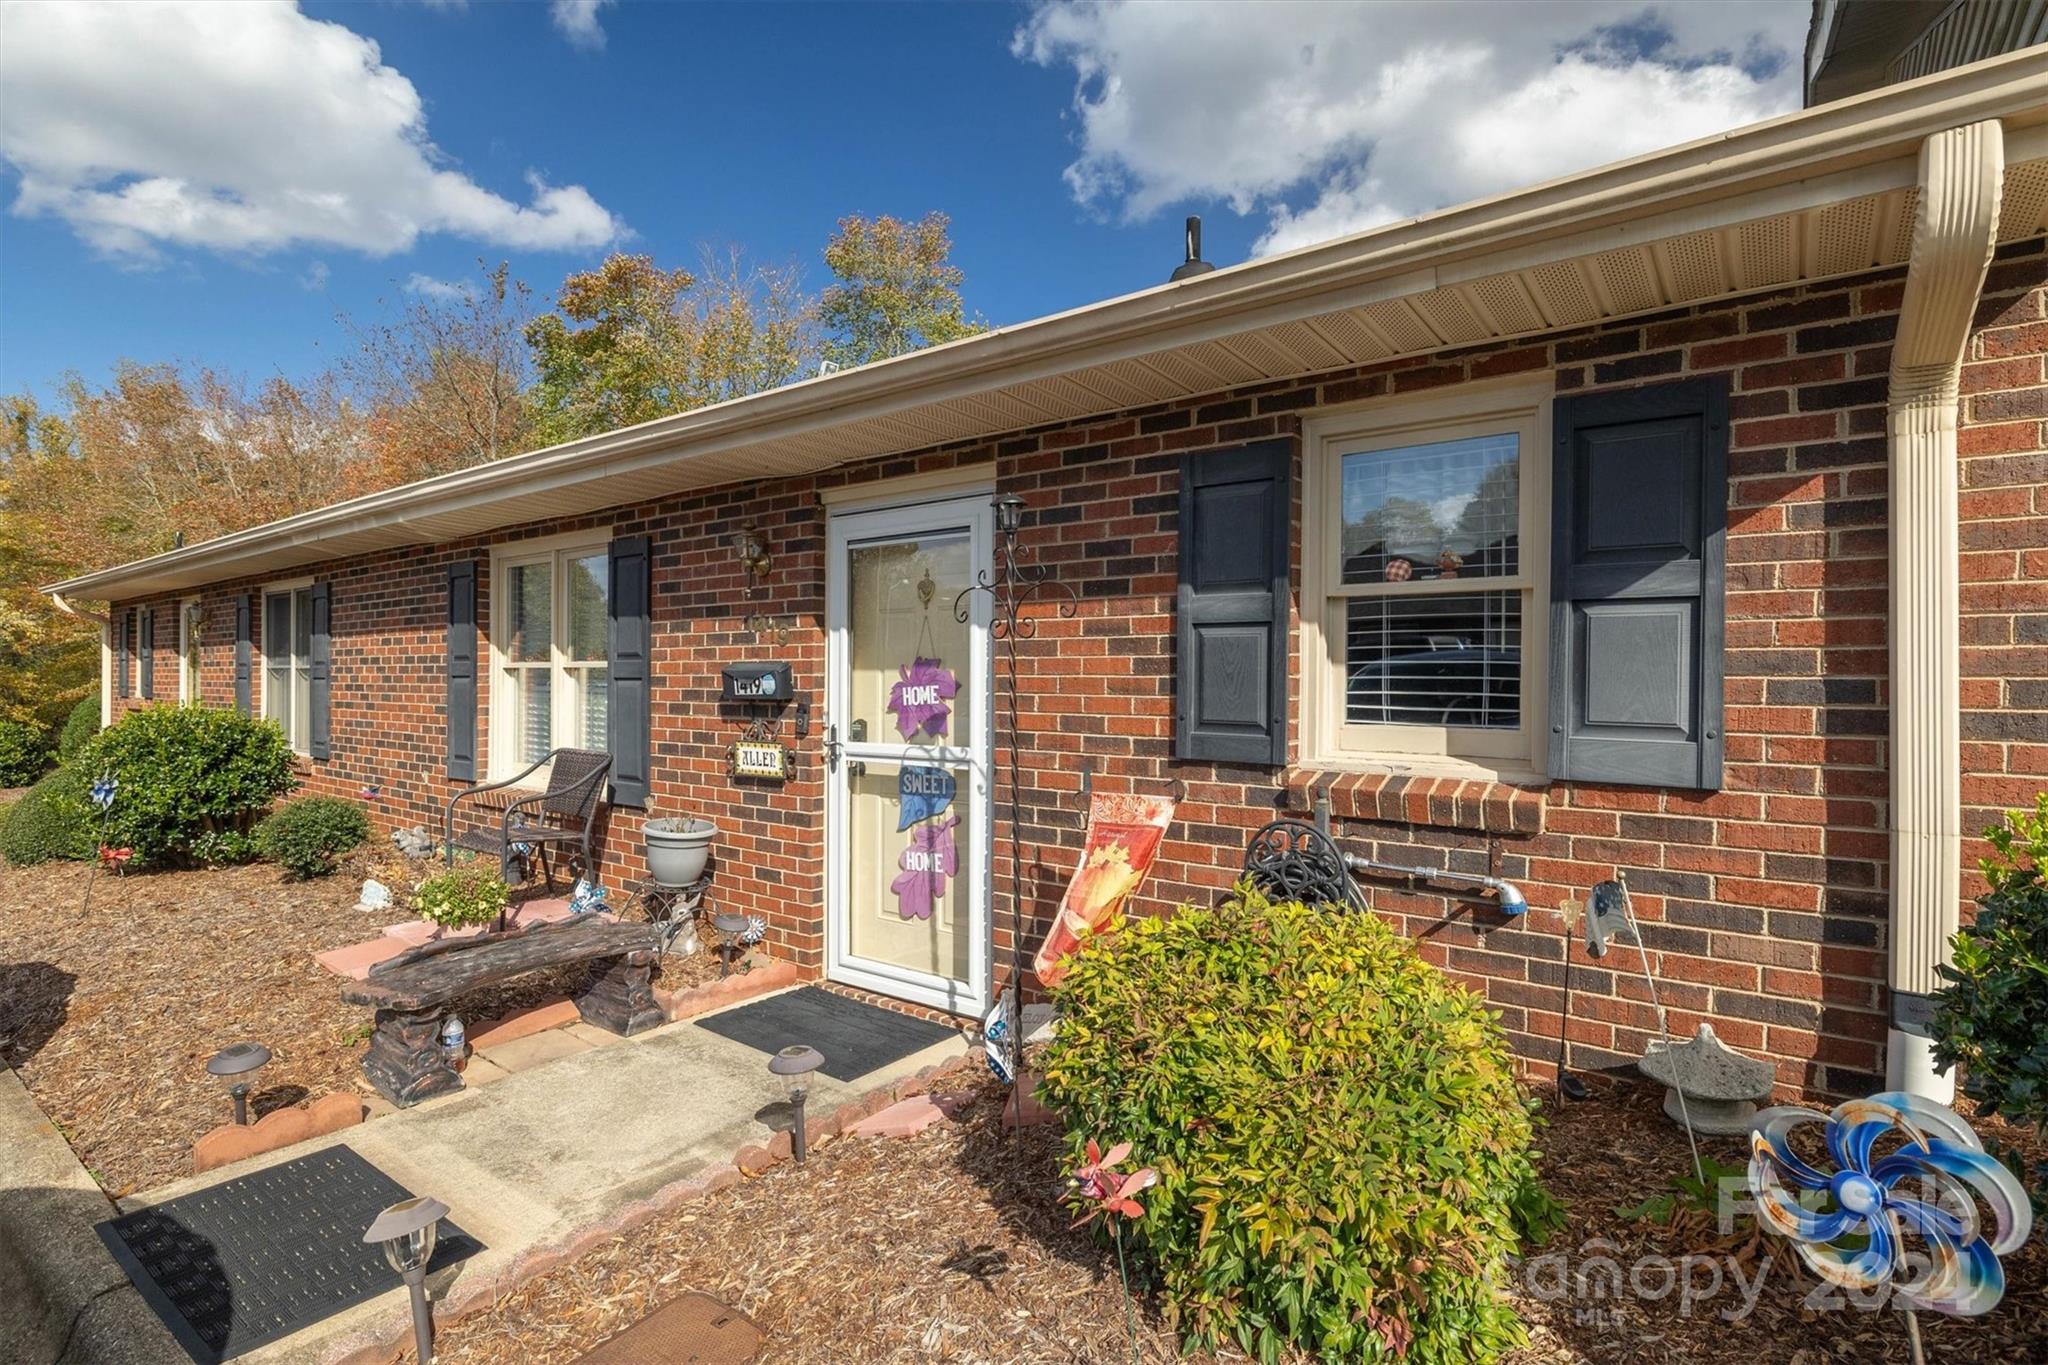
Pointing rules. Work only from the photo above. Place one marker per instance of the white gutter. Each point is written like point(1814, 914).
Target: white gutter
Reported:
point(1956, 228)
point(1592, 208)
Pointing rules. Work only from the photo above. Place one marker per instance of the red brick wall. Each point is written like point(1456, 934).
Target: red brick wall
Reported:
point(1764, 904)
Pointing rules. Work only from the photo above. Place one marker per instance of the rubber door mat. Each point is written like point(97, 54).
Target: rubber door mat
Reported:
point(244, 1263)
point(855, 1037)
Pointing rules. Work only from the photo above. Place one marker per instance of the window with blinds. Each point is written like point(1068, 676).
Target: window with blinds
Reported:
point(1425, 546)
point(288, 663)
point(551, 686)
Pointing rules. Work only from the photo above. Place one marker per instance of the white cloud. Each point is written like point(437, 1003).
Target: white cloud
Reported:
point(429, 287)
point(1327, 119)
point(315, 278)
point(577, 19)
point(244, 128)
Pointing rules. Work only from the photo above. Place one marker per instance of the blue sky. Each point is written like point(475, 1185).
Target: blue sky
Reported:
point(179, 187)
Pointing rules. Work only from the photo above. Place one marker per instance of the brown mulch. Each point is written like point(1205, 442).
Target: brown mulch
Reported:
point(110, 1015)
point(952, 1246)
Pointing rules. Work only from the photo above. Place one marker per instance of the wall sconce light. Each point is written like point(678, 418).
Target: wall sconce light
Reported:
point(795, 1065)
point(407, 1231)
point(752, 552)
point(236, 1066)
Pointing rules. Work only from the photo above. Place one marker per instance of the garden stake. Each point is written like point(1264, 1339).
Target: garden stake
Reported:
point(103, 797)
point(1015, 581)
point(1130, 1312)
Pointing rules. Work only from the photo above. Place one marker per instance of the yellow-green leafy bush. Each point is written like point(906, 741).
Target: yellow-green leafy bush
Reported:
point(1340, 1139)
point(464, 895)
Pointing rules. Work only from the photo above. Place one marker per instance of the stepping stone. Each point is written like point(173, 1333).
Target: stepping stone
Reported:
point(356, 960)
point(695, 1328)
point(905, 1118)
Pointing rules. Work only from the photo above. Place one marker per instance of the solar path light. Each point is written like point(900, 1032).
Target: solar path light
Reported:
point(236, 1066)
point(795, 1065)
point(406, 1231)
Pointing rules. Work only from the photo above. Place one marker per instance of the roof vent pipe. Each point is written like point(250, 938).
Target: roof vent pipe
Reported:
point(1194, 265)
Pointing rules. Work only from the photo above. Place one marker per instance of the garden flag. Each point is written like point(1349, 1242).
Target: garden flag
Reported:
point(922, 698)
point(1123, 838)
point(927, 863)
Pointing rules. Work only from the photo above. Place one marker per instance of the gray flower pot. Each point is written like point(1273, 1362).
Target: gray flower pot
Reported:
point(678, 848)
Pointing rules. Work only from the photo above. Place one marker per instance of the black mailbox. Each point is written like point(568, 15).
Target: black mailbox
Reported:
point(757, 682)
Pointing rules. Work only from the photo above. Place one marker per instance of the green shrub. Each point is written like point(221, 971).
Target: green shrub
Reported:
point(465, 894)
point(79, 728)
point(307, 837)
point(1341, 1143)
point(25, 752)
point(193, 781)
point(53, 819)
point(1992, 1016)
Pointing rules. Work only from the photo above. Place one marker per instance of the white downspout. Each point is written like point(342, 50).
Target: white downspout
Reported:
point(1955, 228)
point(106, 652)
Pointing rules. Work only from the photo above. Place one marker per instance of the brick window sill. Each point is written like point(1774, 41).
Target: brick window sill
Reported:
point(1418, 799)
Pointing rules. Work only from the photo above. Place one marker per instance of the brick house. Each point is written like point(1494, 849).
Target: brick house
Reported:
point(1686, 518)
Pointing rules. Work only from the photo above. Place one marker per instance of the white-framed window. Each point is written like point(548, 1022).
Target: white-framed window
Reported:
point(191, 618)
point(1425, 554)
point(550, 673)
point(288, 660)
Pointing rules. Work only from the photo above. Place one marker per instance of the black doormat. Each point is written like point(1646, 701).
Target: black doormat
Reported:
point(855, 1037)
point(251, 1260)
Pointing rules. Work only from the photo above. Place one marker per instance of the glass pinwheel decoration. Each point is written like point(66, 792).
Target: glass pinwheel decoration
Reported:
point(103, 792)
point(1928, 1184)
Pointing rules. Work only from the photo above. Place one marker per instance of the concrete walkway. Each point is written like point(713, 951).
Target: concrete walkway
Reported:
point(544, 1153)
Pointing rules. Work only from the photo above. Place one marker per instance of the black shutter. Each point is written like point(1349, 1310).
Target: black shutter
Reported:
point(242, 654)
point(1231, 685)
point(630, 708)
point(320, 675)
point(462, 670)
point(120, 656)
point(1638, 565)
point(146, 618)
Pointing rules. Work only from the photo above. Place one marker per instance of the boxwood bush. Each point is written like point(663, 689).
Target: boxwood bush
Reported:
point(1992, 1015)
point(192, 781)
point(1340, 1138)
point(308, 836)
point(52, 820)
point(79, 728)
point(26, 752)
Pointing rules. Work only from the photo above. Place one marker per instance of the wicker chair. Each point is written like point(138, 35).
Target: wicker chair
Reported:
point(563, 816)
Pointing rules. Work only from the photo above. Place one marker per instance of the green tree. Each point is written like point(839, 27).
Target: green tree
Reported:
point(897, 289)
point(48, 659)
point(631, 341)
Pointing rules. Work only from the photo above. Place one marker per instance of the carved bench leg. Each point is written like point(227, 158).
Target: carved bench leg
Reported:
point(404, 1060)
point(619, 996)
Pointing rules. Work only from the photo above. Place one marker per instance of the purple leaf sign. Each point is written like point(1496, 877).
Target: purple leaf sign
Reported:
point(922, 698)
point(927, 863)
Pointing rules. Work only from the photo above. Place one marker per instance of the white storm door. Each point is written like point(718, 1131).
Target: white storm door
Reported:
point(907, 745)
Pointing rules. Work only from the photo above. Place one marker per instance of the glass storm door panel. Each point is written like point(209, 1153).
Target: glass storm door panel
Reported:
point(906, 719)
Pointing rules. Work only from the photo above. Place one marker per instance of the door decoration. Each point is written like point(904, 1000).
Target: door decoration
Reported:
point(922, 793)
point(927, 864)
point(923, 694)
point(922, 698)
point(1123, 839)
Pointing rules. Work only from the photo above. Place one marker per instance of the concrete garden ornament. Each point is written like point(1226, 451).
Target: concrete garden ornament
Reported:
point(1926, 1184)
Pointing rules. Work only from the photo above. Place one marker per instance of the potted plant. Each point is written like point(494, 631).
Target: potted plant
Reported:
point(678, 847)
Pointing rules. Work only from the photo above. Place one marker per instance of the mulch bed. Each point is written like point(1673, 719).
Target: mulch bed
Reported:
point(953, 1246)
point(110, 1015)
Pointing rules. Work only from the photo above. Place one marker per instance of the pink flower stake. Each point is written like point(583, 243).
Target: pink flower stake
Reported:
point(1103, 1191)
point(1110, 1195)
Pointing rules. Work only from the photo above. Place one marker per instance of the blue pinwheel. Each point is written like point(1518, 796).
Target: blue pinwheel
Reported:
point(103, 791)
point(586, 896)
point(1852, 1238)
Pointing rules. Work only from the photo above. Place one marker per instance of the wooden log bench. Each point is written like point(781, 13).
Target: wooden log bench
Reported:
point(411, 993)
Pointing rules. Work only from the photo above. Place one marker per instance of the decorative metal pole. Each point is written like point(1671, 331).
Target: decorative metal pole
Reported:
point(1015, 580)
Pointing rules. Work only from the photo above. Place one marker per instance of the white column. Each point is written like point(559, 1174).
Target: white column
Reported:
point(1954, 231)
